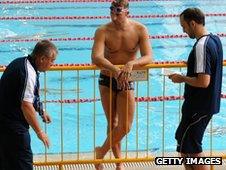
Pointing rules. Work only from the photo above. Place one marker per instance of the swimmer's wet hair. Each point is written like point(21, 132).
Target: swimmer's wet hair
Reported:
point(120, 3)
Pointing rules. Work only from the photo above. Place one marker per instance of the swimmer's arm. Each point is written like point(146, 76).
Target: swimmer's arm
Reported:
point(98, 52)
point(145, 49)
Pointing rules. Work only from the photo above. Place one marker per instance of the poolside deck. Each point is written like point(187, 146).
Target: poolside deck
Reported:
point(110, 166)
point(130, 166)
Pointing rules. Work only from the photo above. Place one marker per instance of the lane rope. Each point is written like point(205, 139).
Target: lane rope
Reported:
point(11, 40)
point(137, 99)
point(70, 1)
point(6, 18)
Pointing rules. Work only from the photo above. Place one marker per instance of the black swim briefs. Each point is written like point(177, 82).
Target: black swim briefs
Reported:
point(105, 81)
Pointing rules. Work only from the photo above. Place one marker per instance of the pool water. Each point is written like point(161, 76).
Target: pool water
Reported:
point(80, 52)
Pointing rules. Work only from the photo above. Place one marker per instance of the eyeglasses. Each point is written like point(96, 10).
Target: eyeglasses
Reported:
point(117, 10)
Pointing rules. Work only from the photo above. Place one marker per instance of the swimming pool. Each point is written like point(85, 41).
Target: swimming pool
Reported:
point(168, 49)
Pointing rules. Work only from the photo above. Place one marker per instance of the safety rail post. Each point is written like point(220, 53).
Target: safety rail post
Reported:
point(127, 118)
point(45, 91)
point(137, 123)
point(78, 117)
point(211, 142)
point(61, 116)
point(163, 116)
point(180, 94)
point(110, 119)
point(94, 113)
point(148, 107)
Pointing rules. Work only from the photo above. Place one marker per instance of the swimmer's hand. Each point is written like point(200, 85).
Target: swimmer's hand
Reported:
point(117, 73)
point(127, 70)
point(123, 79)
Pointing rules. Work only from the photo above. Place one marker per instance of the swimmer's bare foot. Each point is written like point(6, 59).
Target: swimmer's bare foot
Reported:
point(120, 167)
point(98, 156)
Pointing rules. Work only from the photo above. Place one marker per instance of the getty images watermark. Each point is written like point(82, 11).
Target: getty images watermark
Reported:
point(188, 160)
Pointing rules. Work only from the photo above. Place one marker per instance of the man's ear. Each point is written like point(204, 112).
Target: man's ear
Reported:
point(42, 59)
point(192, 23)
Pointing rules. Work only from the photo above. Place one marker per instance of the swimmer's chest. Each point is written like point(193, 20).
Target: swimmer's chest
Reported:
point(122, 40)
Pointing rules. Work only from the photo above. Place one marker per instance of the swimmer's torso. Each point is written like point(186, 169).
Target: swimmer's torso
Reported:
point(121, 46)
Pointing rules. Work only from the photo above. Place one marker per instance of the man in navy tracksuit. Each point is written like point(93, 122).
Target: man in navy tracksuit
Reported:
point(19, 102)
point(202, 85)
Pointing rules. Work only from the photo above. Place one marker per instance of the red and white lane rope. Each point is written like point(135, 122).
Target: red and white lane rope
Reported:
point(68, 1)
point(91, 38)
point(98, 17)
point(137, 99)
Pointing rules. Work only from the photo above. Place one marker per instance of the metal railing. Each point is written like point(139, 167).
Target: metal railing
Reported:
point(128, 156)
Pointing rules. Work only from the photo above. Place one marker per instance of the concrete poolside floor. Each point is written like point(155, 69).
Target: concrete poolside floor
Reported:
point(110, 166)
point(154, 167)
point(131, 166)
